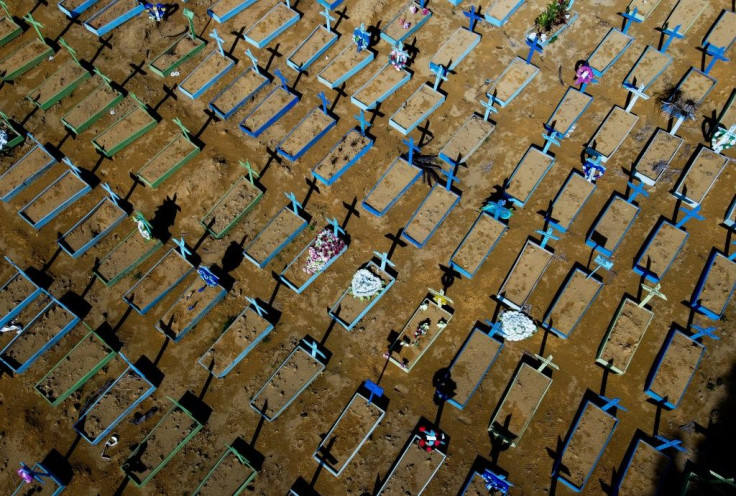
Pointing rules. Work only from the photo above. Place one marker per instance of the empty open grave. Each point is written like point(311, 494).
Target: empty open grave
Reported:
point(623, 336)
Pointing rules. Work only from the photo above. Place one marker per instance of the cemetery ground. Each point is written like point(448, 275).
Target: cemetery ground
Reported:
point(31, 429)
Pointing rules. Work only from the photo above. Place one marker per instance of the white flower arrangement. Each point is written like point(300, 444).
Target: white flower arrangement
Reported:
point(3, 138)
point(365, 284)
point(516, 326)
point(441, 324)
point(424, 306)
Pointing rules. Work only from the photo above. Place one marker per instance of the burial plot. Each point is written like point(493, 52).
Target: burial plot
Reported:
point(271, 25)
point(175, 429)
point(291, 378)
point(90, 229)
point(419, 333)
point(306, 133)
point(380, 86)
point(520, 402)
point(699, 176)
point(235, 204)
point(276, 235)
point(660, 250)
point(93, 106)
point(472, 363)
point(207, 73)
point(239, 338)
point(276, 103)
point(23, 314)
point(585, 442)
point(571, 302)
point(54, 199)
point(650, 65)
point(413, 471)
point(223, 10)
point(312, 48)
point(612, 225)
point(230, 476)
point(123, 258)
point(499, 11)
point(512, 81)
point(315, 258)
point(723, 32)
point(695, 86)
point(523, 277)
point(477, 244)
point(572, 106)
point(641, 9)
point(611, 133)
point(684, 15)
point(527, 175)
point(623, 336)
point(43, 482)
point(77, 367)
point(24, 59)
point(9, 30)
point(58, 85)
point(416, 109)
point(644, 470)
point(674, 369)
point(430, 214)
point(241, 90)
point(191, 306)
point(656, 157)
point(13, 136)
point(406, 22)
point(351, 430)
point(342, 157)
point(466, 140)
point(570, 200)
point(608, 51)
point(392, 185)
point(25, 171)
point(159, 281)
point(715, 286)
point(112, 15)
point(124, 131)
point(38, 336)
point(172, 157)
point(348, 62)
point(456, 48)
point(183, 49)
point(74, 8)
point(695, 484)
point(369, 284)
point(15, 294)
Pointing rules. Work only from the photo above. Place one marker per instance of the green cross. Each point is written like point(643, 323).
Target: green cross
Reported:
point(5, 8)
point(3, 116)
point(250, 170)
point(72, 51)
point(190, 17)
point(104, 78)
point(140, 102)
point(36, 25)
point(184, 130)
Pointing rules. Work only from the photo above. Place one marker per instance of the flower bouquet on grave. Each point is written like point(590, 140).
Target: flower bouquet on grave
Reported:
point(156, 12)
point(593, 171)
point(399, 57)
point(325, 247)
point(3, 138)
point(556, 14)
point(366, 285)
point(516, 326)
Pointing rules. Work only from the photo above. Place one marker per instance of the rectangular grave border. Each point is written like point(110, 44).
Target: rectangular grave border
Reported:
point(645, 179)
point(19, 273)
point(551, 120)
point(551, 38)
point(155, 183)
point(166, 71)
point(600, 72)
point(721, 16)
point(524, 84)
point(521, 202)
point(711, 313)
point(276, 32)
point(78, 10)
point(627, 83)
point(254, 133)
point(30, 63)
point(505, 300)
point(145, 309)
point(608, 365)
point(313, 277)
point(629, 457)
point(15, 137)
point(658, 362)
point(94, 118)
point(316, 56)
point(63, 92)
point(412, 443)
point(423, 243)
point(348, 165)
point(226, 114)
point(452, 161)
point(369, 56)
point(298, 154)
point(92, 242)
point(568, 279)
point(155, 245)
point(103, 30)
point(559, 226)
point(230, 450)
point(466, 272)
point(370, 105)
point(212, 81)
point(38, 224)
point(300, 213)
point(127, 141)
point(408, 32)
point(595, 153)
point(30, 179)
point(406, 130)
point(494, 337)
point(588, 239)
point(243, 213)
point(381, 213)
point(17, 31)
point(493, 21)
point(350, 325)
point(163, 328)
point(244, 4)
point(39, 467)
point(683, 195)
point(466, 52)
point(640, 265)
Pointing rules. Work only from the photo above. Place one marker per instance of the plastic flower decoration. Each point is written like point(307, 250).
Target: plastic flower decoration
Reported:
point(325, 247)
point(156, 12)
point(365, 284)
point(584, 75)
point(516, 326)
point(3, 138)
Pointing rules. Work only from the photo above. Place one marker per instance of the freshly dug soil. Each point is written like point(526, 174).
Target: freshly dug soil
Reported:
point(571, 199)
point(645, 473)
point(346, 150)
point(532, 168)
point(676, 368)
point(274, 19)
point(100, 219)
point(31, 164)
point(511, 80)
point(614, 223)
point(529, 268)
point(313, 124)
point(663, 248)
point(114, 401)
point(16, 290)
point(417, 106)
point(625, 334)
point(408, 348)
point(470, 367)
point(395, 30)
point(64, 188)
point(227, 477)
point(468, 138)
point(57, 82)
point(171, 155)
point(719, 285)
point(230, 206)
point(91, 105)
point(658, 154)
point(210, 67)
point(236, 338)
point(174, 54)
point(166, 272)
point(125, 254)
point(613, 131)
point(413, 472)
point(36, 335)
point(397, 178)
point(123, 129)
point(189, 306)
point(573, 302)
point(701, 174)
point(119, 9)
point(23, 56)
point(479, 241)
point(612, 45)
point(316, 41)
point(436, 206)
point(30, 311)
point(274, 234)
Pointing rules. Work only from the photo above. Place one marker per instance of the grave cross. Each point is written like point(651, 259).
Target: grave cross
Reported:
point(374, 390)
point(601, 261)
point(36, 25)
point(140, 102)
point(651, 293)
point(181, 126)
point(336, 229)
point(732, 257)
point(250, 170)
point(183, 250)
point(550, 139)
point(593, 168)
point(546, 236)
point(256, 306)
point(534, 46)
point(628, 18)
point(723, 138)
point(295, 205)
point(327, 16)
point(489, 106)
point(383, 257)
point(5, 8)
point(636, 93)
point(288, 3)
point(495, 482)
point(207, 276)
point(312, 347)
point(545, 362)
point(449, 178)
point(190, 18)
point(412, 148)
point(324, 100)
point(76, 170)
point(718, 53)
point(704, 332)
point(497, 209)
point(218, 40)
point(143, 225)
point(611, 403)
point(669, 443)
point(253, 60)
point(104, 78)
point(440, 72)
point(693, 213)
point(361, 37)
point(282, 78)
point(473, 17)
point(671, 34)
point(439, 297)
point(71, 51)
point(719, 479)
point(364, 123)
point(636, 190)
point(495, 328)
point(113, 196)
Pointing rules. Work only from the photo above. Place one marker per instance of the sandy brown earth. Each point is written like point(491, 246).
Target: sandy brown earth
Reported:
point(30, 429)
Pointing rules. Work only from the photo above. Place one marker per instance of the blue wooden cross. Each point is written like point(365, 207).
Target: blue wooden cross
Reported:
point(76, 170)
point(295, 205)
point(546, 236)
point(628, 18)
point(182, 247)
point(325, 101)
point(218, 40)
point(601, 261)
point(489, 106)
point(450, 178)
point(336, 229)
point(327, 16)
point(671, 34)
point(361, 37)
point(422, 3)
point(473, 17)
point(496, 483)
point(440, 72)
point(611, 403)
point(253, 60)
point(694, 213)
point(284, 82)
point(364, 123)
point(550, 139)
point(497, 209)
point(113, 196)
point(412, 148)
point(313, 349)
point(669, 443)
point(495, 328)
point(636, 190)
point(534, 46)
point(704, 332)
point(258, 308)
point(374, 389)
point(383, 257)
point(718, 53)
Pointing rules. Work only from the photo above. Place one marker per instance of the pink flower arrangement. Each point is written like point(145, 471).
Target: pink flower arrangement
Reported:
point(325, 247)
